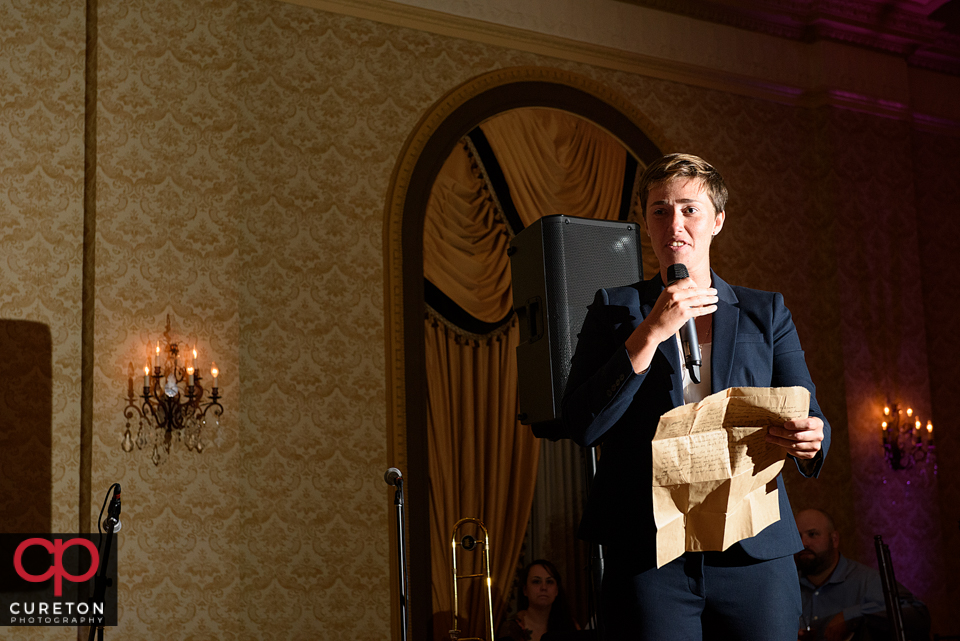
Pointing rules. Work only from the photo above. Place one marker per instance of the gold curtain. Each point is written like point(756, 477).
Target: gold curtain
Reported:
point(485, 468)
point(483, 463)
point(557, 163)
point(465, 240)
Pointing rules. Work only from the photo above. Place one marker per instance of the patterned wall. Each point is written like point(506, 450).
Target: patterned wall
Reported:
point(168, 245)
point(245, 150)
point(41, 223)
point(884, 342)
point(936, 161)
point(41, 240)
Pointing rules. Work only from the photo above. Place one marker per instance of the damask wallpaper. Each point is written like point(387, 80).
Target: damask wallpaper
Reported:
point(41, 261)
point(245, 149)
point(41, 226)
point(938, 234)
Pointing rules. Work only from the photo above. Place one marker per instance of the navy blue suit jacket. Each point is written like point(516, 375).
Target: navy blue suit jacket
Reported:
point(755, 344)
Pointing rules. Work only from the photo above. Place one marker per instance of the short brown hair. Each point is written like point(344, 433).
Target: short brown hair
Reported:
point(673, 166)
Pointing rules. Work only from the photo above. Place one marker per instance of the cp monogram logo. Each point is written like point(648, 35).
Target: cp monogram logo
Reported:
point(56, 570)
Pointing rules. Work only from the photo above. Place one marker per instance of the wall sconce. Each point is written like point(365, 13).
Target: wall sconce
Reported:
point(906, 441)
point(172, 402)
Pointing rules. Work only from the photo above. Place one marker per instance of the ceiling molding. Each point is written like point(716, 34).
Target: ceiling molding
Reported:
point(874, 100)
point(901, 27)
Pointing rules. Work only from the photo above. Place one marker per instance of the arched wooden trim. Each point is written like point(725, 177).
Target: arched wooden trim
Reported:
point(419, 162)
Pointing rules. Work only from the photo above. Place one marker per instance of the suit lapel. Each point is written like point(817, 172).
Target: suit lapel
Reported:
point(726, 320)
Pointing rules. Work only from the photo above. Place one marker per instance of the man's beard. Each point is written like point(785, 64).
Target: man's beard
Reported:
point(811, 563)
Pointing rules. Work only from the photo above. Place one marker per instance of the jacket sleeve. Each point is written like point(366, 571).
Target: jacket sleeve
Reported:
point(790, 369)
point(602, 383)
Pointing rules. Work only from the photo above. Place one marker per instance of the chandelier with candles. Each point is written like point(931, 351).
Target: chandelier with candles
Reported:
point(907, 442)
point(174, 404)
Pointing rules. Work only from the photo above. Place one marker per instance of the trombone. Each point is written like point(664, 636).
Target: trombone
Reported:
point(469, 544)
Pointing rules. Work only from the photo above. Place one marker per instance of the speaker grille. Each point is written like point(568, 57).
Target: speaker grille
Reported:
point(558, 264)
point(582, 256)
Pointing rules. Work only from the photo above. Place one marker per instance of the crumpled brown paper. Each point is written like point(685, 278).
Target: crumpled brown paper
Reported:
point(714, 474)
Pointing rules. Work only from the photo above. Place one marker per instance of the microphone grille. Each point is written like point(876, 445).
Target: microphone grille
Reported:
point(677, 272)
point(392, 475)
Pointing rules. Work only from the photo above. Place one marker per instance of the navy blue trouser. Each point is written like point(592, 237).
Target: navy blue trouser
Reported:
point(709, 595)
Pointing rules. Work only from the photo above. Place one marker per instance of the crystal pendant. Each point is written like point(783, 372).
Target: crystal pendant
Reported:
point(211, 426)
point(127, 443)
point(170, 386)
point(141, 438)
point(199, 445)
point(191, 432)
point(161, 452)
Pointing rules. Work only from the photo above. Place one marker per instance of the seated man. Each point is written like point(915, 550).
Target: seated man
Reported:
point(843, 599)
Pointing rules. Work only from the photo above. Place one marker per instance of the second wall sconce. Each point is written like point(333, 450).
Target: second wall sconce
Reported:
point(906, 441)
point(174, 404)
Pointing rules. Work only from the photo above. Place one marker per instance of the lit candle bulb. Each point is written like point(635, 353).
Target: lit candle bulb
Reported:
point(929, 427)
point(917, 424)
point(194, 363)
point(909, 411)
point(146, 375)
point(156, 359)
point(886, 411)
point(884, 425)
point(215, 373)
point(190, 375)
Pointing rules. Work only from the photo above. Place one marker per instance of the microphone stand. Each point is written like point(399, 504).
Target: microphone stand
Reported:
point(590, 458)
point(401, 546)
point(101, 582)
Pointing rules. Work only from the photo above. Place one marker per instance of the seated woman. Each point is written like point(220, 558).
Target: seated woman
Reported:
point(542, 605)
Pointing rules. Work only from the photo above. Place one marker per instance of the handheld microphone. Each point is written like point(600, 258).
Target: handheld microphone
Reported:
point(688, 333)
point(393, 476)
point(113, 512)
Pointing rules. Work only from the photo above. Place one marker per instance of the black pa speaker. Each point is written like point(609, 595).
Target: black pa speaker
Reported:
point(558, 264)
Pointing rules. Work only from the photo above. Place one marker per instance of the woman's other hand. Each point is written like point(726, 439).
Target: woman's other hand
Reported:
point(801, 437)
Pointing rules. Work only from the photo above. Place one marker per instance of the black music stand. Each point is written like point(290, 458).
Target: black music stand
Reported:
point(891, 594)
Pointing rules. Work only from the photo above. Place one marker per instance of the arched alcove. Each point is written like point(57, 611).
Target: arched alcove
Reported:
point(421, 159)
